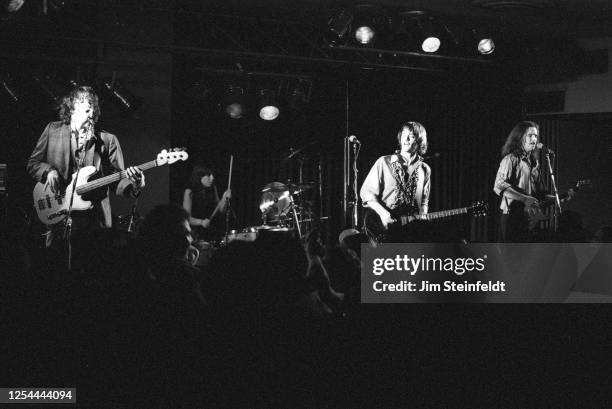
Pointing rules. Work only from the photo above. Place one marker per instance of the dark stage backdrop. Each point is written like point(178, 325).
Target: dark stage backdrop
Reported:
point(467, 120)
point(583, 144)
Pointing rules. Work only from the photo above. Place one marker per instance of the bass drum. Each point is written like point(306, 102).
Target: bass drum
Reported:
point(275, 203)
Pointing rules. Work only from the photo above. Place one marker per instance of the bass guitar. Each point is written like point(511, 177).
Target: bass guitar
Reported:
point(52, 208)
point(377, 233)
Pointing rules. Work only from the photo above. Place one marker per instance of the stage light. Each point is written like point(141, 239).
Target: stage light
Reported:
point(268, 108)
point(337, 27)
point(11, 91)
point(370, 24)
point(421, 28)
point(431, 39)
point(364, 34)
point(431, 44)
point(13, 6)
point(234, 101)
point(121, 95)
point(486, 46)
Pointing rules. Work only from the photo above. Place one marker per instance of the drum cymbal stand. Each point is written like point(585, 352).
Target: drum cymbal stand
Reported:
point(292, 209)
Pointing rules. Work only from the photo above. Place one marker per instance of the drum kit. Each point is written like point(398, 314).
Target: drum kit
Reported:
point(284, 214)
point(283, 211)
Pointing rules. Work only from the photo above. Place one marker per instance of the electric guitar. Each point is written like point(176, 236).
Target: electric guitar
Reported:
point(377, 233)
point(535, 214)
point(52, 208)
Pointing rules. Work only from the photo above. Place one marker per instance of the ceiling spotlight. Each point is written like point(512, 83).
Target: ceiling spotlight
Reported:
point(338, 26)
point(268, 108)
point(13, 6)
point(486, 46)
point(430, 44)
point(421, 28)
point(234, 101)
point(364, 34)
point(369, 24)
point(431, 39)
point(10, 91)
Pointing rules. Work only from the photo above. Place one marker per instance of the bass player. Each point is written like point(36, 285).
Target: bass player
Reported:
point(73, 143)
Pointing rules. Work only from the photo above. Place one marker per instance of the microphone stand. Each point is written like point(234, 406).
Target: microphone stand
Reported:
point(68, 226)
point(133, 215)
point(356, 149)
point(228, 208)
point(558, 209)
point(228, 203)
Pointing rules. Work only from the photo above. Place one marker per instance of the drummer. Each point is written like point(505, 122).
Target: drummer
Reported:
point(202, 203)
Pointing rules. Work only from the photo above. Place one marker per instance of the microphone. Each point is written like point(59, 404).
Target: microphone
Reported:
point(353, 139)
point(544, 149)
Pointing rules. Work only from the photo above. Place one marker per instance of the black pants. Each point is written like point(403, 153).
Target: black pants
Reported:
point(59, 250)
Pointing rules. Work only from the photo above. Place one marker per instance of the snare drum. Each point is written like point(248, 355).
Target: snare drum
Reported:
point(246, 234)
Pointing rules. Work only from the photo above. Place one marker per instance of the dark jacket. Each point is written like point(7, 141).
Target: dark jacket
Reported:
point(53, 151)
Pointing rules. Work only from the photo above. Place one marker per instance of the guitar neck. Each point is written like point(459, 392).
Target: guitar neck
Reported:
point(115, 177)
point(443, 213)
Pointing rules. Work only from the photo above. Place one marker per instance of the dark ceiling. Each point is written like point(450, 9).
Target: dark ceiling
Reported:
point(291, 33)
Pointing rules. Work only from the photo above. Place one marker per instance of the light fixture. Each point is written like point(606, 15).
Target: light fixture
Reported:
point(268, 108)
point(364, 34)
point(481, 37)
point(120, 94)
point(11, 91)
point(421, 28)
point(370, 24)
point(431, 39)
point(430, 44)
point(234, 101)
point(338, 26)
point(486, 46)
point(13, 6)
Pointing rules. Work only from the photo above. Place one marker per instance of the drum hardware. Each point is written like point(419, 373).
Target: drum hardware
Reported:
point(205, 250)
point(293, 188)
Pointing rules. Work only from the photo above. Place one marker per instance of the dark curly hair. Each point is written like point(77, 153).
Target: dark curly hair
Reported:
point(419, 133)
point(514, 141)
point(78, 93)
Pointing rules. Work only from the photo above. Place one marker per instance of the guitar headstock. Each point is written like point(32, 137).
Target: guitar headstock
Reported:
point(171, 156)
point(479, 208)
